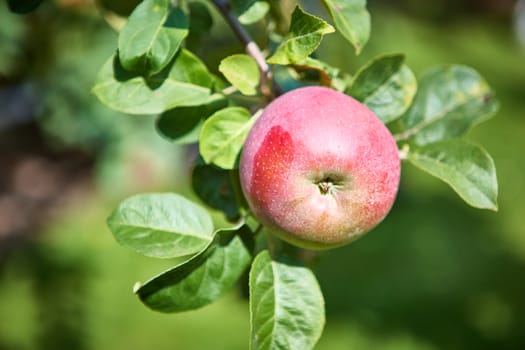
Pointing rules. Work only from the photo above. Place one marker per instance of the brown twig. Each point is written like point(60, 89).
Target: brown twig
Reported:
point(251, 47)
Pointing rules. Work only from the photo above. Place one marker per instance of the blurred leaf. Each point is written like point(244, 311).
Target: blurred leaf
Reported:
point(200, 23)
point(152, 36)
point(242, 72)
point(121, 7)
point(183, 124)
point(254, 13)
point(351, 19)
point(186, 82)
point(161, 225)
point(466, 167)
point(286, 305)
point(200, 18)
point(223, 136)
point(386, 86)
point(23, 6)
point(450, 101)
point(305, 35)
point(201, 280)
point(214, 187)
point(239, 7)
point(12, 48)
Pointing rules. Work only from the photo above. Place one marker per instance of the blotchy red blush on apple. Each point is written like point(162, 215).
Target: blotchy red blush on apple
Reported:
point(270, 167)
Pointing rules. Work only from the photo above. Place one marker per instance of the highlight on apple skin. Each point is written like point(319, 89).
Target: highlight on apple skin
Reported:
point(319, 169)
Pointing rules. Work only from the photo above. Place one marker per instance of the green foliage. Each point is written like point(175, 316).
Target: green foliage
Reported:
point(12, 32)
point(152, 36)
point(239, 7)
point(214, 186)
point(241, 70)
point(183, 124)
point(162, 225)
point(23, 6)
point(466, 167)
point(351, 19)
point(328, 75)
point(386, 86)
point(255, 12)
point(223, 135)
point(155, 72)
point(304, 37)
point(185, 82)
point(200, 23)
point(286, 305)
point(204, 278)
point(449, 102)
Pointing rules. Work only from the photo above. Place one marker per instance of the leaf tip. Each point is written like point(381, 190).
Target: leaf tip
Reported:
point(494, 208)
point(136, 287)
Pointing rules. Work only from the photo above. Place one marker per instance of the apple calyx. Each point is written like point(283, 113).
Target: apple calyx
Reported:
point(329, 183)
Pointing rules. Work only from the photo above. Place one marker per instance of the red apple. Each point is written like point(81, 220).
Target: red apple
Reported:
point(319, 169)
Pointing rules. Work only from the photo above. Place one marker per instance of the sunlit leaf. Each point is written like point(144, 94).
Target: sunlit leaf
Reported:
point(254, 13)
point(242, 72)
point(203, 279)
point(305, 35)
point(161, 225)
point(351, 19)
point(449, 102)
point(286, 305)
point(223, 136)
point(466, 167)
point(386, 86)
point(152, 36)
point(185, 82)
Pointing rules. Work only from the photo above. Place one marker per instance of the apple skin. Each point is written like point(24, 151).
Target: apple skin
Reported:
point(319, 169)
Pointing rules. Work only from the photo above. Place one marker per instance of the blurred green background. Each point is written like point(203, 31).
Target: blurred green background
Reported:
point(436, 274)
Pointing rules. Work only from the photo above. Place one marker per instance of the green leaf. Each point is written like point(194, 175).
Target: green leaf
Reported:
point(223, 136)
point(214, 187)
point(449, 102)
point(238, 7)
point(185, 82)
point(286, 305)
point(23, 6)
point(152, 36)
point(466, 167)
point(328, 75)
point(122, 8)
point(203, 279)
point(386, 86)
point(183, 124)
point(200, 23)
point(254, 13)
point(161, 225)
point(305, 35)
point(351, 19)
point(242, 72)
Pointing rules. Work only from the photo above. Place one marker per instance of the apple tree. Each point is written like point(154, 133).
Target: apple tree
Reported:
point(156, 72)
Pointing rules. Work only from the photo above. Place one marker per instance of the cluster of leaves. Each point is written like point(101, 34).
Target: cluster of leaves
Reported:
point(154, 73)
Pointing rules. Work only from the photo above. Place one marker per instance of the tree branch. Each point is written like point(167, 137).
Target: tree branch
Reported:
point(251, 47)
